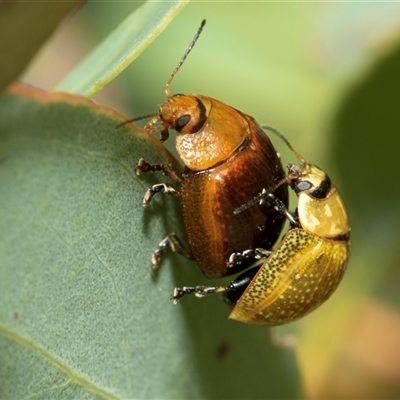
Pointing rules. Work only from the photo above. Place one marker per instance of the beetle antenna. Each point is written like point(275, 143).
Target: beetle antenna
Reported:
point(283, 138)
point(136, 119)
point(188, 50)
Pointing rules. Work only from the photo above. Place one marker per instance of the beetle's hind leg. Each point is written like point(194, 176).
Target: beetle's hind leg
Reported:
point(236, 259)
point(176, 245)
point(232, 292)
point(198, 291)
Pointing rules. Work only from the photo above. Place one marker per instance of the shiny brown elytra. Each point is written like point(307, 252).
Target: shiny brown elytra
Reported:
point(213, 187)
point(306, 266)
point(228, 160)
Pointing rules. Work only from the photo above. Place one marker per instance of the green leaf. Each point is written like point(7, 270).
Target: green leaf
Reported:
point(121, 47)
point(21, 35)
point(82, 315)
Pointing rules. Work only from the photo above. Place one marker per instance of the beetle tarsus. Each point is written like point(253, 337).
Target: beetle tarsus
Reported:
point(281, 208)
point(198, 291)
point(143, 166)
point(160, 187)
point(164, 135)
point(237, 258)
point(176, 245)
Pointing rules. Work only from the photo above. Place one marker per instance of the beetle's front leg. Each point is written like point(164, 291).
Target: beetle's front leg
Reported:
point(173, 241)
point(281, 208)
point(143, 166)
point(272, 201)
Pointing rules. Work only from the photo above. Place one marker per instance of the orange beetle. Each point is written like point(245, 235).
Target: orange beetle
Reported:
point(228, 160)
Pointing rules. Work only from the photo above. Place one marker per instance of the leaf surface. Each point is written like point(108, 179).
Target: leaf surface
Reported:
point(82, 315)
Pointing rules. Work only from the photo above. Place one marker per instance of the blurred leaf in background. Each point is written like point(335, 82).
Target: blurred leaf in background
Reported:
point(20, 34)
point(326, 75)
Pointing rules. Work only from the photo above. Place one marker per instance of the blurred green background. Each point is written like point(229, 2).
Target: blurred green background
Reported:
point(328, 76)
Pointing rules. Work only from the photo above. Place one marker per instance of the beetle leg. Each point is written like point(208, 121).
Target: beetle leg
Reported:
point(159, 187)
point(164, 135)
point(175, 244)
point(143, 166)
point(272, 201)
point(232, 292)
point(237, 287)
point(261, 199)
point(281, 208)
point(198, 291)
point(237, 258)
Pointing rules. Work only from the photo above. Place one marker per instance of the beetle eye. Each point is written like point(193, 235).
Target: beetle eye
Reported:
point(321, 191)
point(181, 122)
point(302, 185)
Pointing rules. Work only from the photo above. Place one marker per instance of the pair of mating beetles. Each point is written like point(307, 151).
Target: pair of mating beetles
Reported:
point(229, 161)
